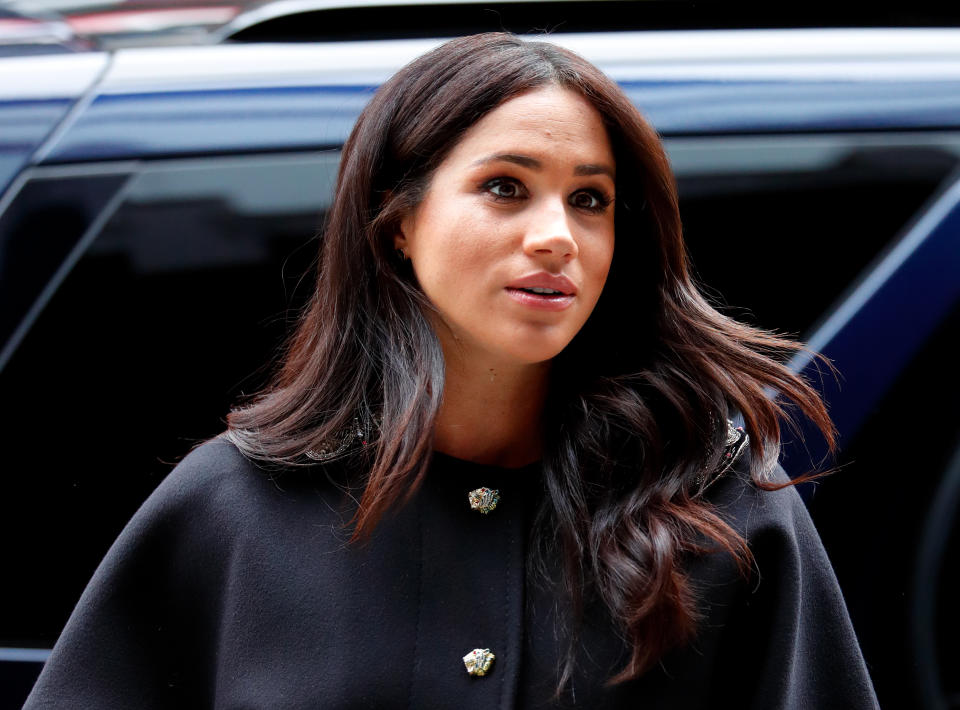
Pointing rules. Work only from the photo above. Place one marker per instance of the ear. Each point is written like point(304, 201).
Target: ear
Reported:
point(405, 228)
point(399, 238)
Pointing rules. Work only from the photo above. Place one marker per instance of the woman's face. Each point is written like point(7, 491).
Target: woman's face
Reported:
point(513, 240)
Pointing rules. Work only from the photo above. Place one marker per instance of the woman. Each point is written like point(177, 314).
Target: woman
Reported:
point(496, 466)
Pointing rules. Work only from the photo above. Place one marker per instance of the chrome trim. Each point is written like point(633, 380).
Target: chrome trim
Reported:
point(25, 655)
point(830, 54)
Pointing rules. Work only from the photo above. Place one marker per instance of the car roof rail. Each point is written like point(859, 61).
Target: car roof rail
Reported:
point(351, 20)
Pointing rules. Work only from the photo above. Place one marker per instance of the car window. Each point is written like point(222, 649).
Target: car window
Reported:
point(185, 291)
point(45, 222)
point(778, 227)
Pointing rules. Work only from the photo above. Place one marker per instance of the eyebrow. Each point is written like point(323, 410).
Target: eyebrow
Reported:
point(533, 164)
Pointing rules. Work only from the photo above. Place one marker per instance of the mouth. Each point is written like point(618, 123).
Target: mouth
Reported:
point(542, 299)
point(544, 284)
point(543, 291)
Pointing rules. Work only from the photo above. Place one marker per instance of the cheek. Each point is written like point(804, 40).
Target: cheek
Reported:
point(597, 263)
point(447, 264)
point(452, 250)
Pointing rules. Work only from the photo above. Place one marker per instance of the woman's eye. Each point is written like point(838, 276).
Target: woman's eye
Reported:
point(504, 188)
point(589, 200)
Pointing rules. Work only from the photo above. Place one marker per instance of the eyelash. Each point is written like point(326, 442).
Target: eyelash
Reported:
point(602, 200)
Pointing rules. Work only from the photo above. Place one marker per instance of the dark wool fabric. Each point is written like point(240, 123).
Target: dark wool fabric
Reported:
point(235, 588)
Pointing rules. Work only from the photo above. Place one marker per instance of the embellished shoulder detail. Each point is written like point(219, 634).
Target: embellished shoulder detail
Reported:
point(359, 433)
point(734, 444)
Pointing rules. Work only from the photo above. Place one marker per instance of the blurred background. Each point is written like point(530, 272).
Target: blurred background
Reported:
point(164, 172)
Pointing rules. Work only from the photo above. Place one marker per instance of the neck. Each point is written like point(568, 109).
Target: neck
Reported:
point(491, 413)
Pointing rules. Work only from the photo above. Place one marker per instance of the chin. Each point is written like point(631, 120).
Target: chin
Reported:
point(535, 352)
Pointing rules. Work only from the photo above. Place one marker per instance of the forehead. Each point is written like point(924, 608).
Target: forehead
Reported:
point(545, 120)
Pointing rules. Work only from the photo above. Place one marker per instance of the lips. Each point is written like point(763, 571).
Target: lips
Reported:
point(543, 280)
point(543, 291)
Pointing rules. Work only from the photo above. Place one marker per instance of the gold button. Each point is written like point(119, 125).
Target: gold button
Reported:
point(484, 500)
point(478, 661)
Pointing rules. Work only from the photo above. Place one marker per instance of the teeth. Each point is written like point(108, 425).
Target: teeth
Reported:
point(542, 290)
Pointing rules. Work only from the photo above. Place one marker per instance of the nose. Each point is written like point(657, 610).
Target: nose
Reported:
point(548, 235)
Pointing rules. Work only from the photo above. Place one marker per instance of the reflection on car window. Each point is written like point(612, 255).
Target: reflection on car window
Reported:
point(185, 292)
point(49, 215)
point(830, 202)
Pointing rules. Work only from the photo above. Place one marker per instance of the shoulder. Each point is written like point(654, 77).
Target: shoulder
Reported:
point(217, 492)
point(214, 506)
point(788, 560)
point(191, 510)
point(214, 476)
point(215, 468)
point(207, 468)
point(767, 519)
point(790, 614)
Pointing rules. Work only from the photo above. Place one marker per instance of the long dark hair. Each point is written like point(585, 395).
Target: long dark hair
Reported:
point(639, 400)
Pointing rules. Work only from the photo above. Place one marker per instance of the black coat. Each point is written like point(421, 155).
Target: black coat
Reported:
point(232, 588)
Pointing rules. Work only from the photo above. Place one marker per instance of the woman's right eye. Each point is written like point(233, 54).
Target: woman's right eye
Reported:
point(504, 188)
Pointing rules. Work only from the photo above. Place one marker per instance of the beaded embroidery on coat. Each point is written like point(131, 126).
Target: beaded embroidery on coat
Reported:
point(359, 433)
point(735, 442)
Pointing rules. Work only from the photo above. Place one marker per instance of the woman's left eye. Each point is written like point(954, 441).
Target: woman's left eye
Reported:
point(589, 200)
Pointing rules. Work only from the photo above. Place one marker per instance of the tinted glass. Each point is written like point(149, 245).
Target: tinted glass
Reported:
point(43, 224)
point(779, 227)
point(161, 324)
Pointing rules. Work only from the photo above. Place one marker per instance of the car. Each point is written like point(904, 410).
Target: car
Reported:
point(161, 208)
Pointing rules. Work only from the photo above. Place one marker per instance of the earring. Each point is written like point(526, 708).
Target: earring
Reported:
point(400, 254)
